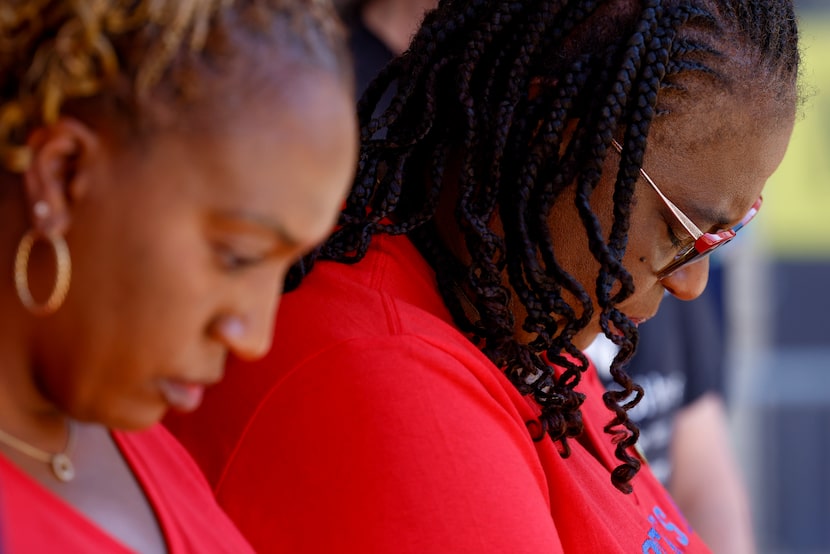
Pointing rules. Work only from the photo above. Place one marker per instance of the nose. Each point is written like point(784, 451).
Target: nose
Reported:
point(688, 282)
point(249, 333)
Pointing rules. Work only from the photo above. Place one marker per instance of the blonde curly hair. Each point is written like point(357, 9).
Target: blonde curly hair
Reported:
point(56, 51)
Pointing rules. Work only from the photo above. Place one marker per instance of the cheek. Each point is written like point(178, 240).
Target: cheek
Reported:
point(570, 241)
point(139, 302)
point(152, 280)
point(573, 253)
point(649, 246)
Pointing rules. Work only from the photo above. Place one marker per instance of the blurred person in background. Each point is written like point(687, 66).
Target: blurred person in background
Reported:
point(379, 30)
point(539, 177)
point(160, 174)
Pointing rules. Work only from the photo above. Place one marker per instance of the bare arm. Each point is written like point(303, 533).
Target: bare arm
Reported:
point(706, 481)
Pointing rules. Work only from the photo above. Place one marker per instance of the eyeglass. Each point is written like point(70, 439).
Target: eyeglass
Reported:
point(704, 243)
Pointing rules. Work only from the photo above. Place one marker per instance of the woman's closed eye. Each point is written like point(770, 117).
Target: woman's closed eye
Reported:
point(229, 260)
point(235, 257)
point(240, 242)
point(676, 242)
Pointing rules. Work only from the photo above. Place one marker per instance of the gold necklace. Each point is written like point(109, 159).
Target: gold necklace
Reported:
point(62, 467)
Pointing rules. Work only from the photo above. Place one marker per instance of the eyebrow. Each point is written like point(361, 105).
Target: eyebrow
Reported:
point(698, 213)
point(274, 227)
point(721, 221)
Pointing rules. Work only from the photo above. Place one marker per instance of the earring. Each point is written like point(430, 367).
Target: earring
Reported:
point(21, 273)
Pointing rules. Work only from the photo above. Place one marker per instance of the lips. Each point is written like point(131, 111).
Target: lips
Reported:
point(181, 395)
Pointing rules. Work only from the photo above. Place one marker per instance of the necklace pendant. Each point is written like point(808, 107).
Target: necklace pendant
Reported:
point(62, 467)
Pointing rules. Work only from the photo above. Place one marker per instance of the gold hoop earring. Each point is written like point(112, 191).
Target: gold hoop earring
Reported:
point(62, 279)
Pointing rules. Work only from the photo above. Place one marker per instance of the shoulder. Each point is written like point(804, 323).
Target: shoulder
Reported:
point(391, 382)
point(371, 435)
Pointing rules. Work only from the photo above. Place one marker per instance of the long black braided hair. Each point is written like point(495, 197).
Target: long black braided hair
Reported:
point(486, 94)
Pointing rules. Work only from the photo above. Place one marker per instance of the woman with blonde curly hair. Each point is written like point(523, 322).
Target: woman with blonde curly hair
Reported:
point(160, 173)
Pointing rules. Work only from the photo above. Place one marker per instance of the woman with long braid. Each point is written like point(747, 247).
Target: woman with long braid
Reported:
point(545, 170)
point(161, 172)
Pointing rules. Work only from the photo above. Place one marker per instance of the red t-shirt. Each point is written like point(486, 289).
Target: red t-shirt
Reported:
point(32, 519)
point(374, 425)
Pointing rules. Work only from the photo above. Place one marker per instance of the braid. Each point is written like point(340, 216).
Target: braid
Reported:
point(521, 100)
point(54, 52)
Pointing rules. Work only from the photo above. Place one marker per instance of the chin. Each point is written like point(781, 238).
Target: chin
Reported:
point(586, 336)
point(127, 410)
point(132, 416)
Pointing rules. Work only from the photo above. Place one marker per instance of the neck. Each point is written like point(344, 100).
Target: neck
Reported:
point(24, 411)
point(395, 22)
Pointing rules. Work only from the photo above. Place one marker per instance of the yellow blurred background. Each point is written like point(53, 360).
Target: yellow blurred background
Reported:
point(796, 213)
point(779, 301)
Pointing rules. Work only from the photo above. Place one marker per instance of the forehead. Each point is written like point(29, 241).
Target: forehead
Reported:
point(714, 158)
point(295, 149)
point(287, 157)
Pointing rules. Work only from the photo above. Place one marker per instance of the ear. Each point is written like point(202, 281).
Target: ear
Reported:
point(55, 176)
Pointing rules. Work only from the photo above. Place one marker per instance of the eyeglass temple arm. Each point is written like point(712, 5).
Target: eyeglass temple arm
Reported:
point(681, 217)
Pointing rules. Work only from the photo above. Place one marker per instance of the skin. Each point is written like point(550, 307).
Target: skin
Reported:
point(706, 480)
point(715, 195)
point(746, 143)
point(707, 507)
point(175, 265)
point(395, 22)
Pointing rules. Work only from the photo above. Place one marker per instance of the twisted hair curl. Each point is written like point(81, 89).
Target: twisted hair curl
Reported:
point(462, 104)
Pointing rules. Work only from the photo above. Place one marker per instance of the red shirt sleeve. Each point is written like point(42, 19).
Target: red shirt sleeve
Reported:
point(370, 459)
